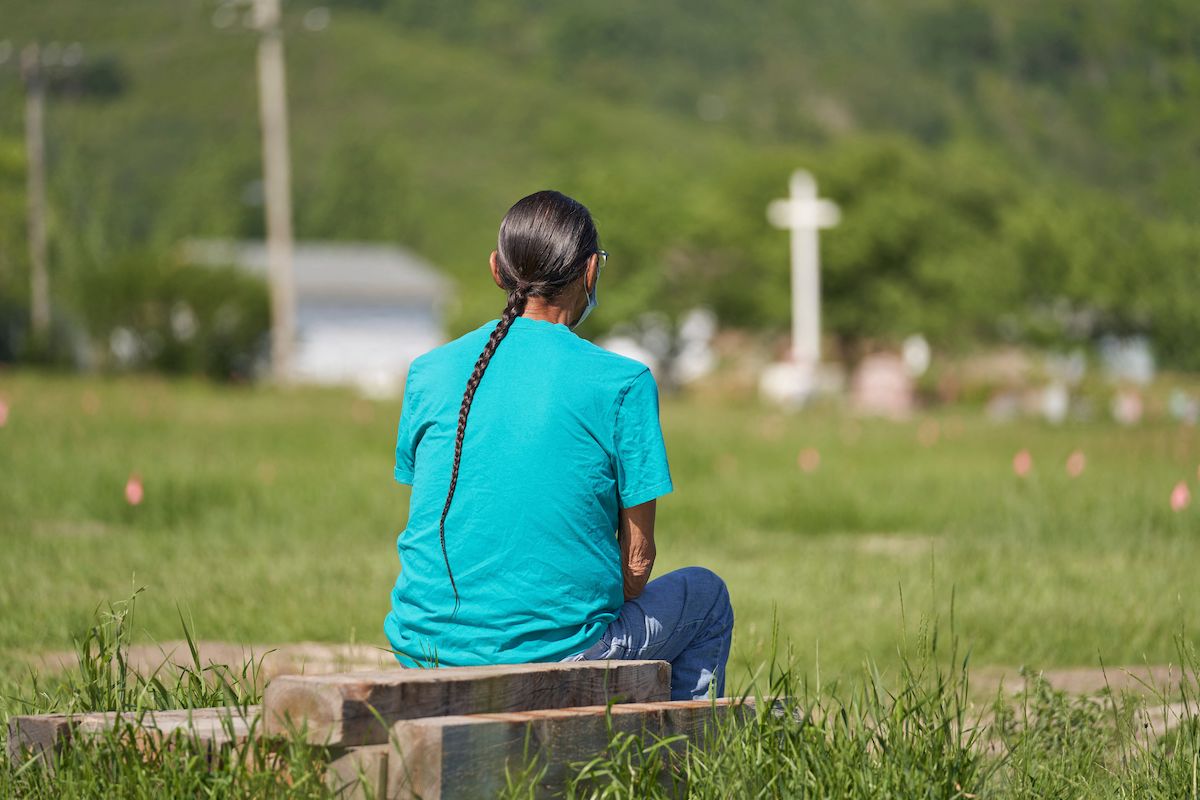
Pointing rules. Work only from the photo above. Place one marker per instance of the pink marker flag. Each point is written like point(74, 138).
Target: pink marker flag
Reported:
point(1181, 497)
point(809, 459)
point(133, 490)
point(1076, 463)
point(1022, 462)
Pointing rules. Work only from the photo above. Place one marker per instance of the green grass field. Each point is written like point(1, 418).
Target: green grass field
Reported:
point(270, 516)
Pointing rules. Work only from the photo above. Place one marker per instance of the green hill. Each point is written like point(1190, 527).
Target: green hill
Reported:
point(406, 138)
point(990, 156)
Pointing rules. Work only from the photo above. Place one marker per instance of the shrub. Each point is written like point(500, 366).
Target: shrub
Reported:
point(150, 311)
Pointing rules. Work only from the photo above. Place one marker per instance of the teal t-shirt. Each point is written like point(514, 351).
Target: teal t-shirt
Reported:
point(561, 434)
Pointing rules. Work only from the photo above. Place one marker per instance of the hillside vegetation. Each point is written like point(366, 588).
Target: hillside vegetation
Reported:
point(1007, 170)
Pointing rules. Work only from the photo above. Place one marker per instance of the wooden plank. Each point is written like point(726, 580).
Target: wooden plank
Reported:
point(359, 773)
point(44, 735)
point(213, 727)
point(467, 755)
point(38, 736)
point(359, 708)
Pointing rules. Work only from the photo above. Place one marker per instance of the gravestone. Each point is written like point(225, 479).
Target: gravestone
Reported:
point(695, 357)
point(1127, 406)
point(882, 386)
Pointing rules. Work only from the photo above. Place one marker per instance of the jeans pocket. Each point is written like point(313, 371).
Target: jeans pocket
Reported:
point(597, 652)
point(614, 644)
point(617, 650)
point(600, 650)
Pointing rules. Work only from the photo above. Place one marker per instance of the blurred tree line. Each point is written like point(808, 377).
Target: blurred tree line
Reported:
point(1020, 171)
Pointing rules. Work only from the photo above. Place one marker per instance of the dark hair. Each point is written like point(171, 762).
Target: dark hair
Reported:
point(544, 245)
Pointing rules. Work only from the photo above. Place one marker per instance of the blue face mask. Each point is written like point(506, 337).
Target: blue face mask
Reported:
point(591, 303)
point(592, 300)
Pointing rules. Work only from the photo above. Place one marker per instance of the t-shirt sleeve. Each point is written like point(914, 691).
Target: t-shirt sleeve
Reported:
point(641, 454)
point(408, 433)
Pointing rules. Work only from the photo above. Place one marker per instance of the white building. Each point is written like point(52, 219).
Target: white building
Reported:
point(363, 311)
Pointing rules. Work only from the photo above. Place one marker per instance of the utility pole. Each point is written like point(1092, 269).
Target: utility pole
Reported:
point(35, 157)
point(272, 106)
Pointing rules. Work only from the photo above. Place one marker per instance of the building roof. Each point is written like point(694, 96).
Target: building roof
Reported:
point(334, 270)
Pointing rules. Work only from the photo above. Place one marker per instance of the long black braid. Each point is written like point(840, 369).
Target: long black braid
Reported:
point(516, 304)
point(546, 240)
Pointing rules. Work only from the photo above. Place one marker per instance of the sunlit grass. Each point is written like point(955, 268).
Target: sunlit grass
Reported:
point(917, 733)
point(271, 516)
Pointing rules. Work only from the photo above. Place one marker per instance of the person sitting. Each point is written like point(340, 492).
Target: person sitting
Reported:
point(530, 535)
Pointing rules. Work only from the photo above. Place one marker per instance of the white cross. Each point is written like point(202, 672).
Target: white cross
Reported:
point(803, 213)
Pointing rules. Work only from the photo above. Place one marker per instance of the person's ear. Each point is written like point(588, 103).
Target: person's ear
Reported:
point(495, 269)
point(592, 274)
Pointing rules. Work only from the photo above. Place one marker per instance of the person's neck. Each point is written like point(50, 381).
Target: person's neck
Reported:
point(539, 308)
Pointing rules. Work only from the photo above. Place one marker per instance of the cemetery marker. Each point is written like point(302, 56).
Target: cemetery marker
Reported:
point(803, 213)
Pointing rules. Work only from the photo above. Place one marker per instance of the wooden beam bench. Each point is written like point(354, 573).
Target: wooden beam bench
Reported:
point(468, 756)
point(358, 708)
point(441, 733)
point(45, 735)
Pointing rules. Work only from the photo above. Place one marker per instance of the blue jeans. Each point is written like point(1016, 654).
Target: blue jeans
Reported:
point(685, 618)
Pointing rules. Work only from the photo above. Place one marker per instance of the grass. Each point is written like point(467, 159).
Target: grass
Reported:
point(270, 516)
point(918, 734)
point(123, 764)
